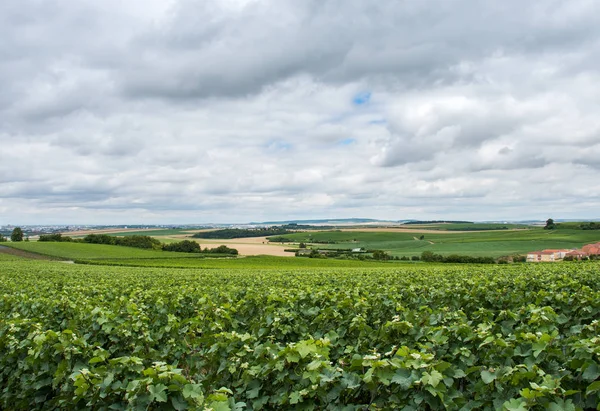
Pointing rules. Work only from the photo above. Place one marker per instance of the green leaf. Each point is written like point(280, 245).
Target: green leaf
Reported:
point(432, 379)
point(529, 394)
point(487, 376)
point(219, 406)
point(292, 357)
point(561, 405)
point(593, 387)
point(193, 391)
point(458, 373)
point(253, 393)
point(305, 347)
point(178, 403)
point(516, 404)
point(591, 372)
point(158, 392)
point(403, 379)
point(295, 397)
point(95, 360)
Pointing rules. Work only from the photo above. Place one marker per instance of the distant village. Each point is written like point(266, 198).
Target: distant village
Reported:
point(590, 251)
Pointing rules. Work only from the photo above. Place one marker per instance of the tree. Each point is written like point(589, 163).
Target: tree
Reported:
point(380, 255)
point(17, 234)
point(550, 224)
point(302, 245)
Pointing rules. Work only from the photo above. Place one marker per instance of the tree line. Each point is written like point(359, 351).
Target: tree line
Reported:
point(230, 233)
point(140, 241)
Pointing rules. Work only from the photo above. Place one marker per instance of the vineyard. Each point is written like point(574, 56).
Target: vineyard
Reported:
point(406, 337)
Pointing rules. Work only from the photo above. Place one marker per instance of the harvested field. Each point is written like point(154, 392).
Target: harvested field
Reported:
point(245, 246)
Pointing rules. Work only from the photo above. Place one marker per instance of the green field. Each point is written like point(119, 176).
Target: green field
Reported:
point(83, 251)
point(252, 262)
point(412, 337)
point(465, 226)
point(481, 243)
point(8, 257)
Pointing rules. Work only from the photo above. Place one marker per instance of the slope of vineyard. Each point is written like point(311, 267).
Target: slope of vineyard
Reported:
point(413, 338)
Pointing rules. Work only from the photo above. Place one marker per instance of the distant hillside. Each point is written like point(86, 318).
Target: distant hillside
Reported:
point(323, 221)
point(438, 222)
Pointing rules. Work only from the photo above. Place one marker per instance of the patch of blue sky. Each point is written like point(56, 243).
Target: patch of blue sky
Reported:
point(347, 141)
point(279, 145)
point(380, 121)
point(362, 98)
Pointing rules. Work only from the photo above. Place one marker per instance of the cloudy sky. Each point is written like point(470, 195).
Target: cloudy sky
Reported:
point(190, 111)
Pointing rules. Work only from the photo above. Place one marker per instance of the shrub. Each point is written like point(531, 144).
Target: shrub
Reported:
point(17, 234)
point(137, 241)
point(59, 238)
point(222, 249)
point(185, 246)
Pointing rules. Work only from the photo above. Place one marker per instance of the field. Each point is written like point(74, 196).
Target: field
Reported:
point(484, 239)
point(465, 226)
point(253, 262)
point(245, 246)
point(413, 337)
point(8, 257)
point(100, 254)
point(83, 251)
point(478, 243)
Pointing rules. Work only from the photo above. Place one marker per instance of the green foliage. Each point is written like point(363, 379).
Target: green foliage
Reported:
point(229, 233)
point(137, 241)
point(185, 246)
point(431, 257)
point(222, 249)
point(550, 225)
point(423, 337)
point(57, 237)
point(380, 255)
point(2, 239)
point(16, 235)
point(279, 239)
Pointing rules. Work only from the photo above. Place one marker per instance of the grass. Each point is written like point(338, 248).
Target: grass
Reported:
point(477, 243)
point(9, 257)
point(573, 225)
point(83, 251)
point(465, 226)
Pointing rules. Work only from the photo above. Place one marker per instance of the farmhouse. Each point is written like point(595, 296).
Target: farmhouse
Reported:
point(556, 255)
point(542, 256)
point(591, 249)
point(577, 254)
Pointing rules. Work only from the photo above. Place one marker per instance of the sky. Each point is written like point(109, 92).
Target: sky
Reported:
point(230, 111)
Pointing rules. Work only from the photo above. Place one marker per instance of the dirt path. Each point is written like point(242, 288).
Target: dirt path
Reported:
point(418, 239)
point(24, 254)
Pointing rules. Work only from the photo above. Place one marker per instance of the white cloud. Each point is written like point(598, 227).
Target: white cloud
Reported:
point(239, 110)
